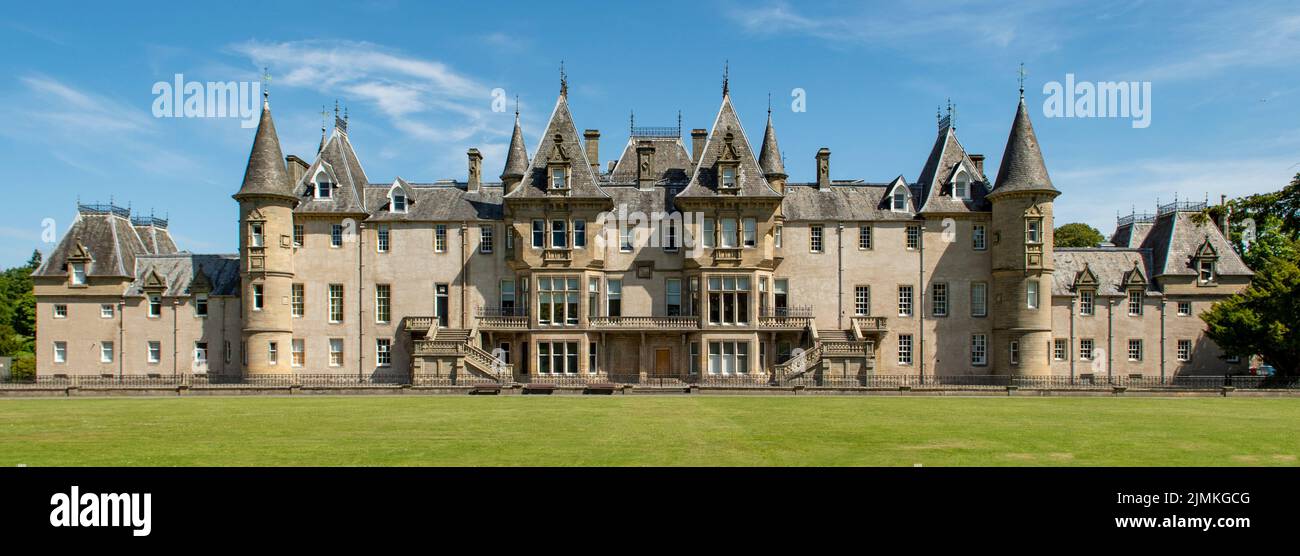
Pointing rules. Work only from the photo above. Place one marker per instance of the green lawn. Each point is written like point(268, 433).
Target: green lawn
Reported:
point(618, 430)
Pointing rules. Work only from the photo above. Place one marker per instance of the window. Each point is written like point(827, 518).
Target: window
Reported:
point(559, 234)
point(900, 199)
point(695, 358)
point(336, 302)
point(1135, 302)
point(1233, 359)
point(1205, 270)
point(78, 274)
point(539, 233)
point(1134, 349)
point(298, 299)
point(383, 352)
point(591, 357)
point(862, 300)
point(440, 238)
point(1086, 307)
point(324, 187)
point(1031, 294)
point(979, 350)
point(155, 303)
point(751, 232)
point(557, 357)
point(155, 351)
point(1184, 308)
point(626, 237)
point(614, 298)
point(200, 305)
point(728, 239)
point(815, 238)
point(780, 231)
point(979, 237)
point(1014, 349)
point(727, 358)
point(106, 311)
point(905, 301)
point(961, 188)
point(336, 352)
point(864, 236)
point(706, 236)
point(272, 353)
point(939, 299)
point(1184, 350)
point(200, 353)
point(257, 239)
point(671, 241)
point(383, 303)
point(60, 311)
point(485, 238)
point(557, 299)
point(913, 236)
point(336, 235)
point(399, 201)
point(904, 349)
point(728, 177)
point(673, 297)
point(1060, 346)
point(1033, 231)
point(729, 299)
point(780, 295)
point(382, 244)
point(579, 234)
point(258, 298)
point(298, 234)
point(299, 353)
point(979, 305)
point(558, 178)
point(507, 300)
point(1085, 349)
point(106, 352)
point(60, 352)
point(593, 297)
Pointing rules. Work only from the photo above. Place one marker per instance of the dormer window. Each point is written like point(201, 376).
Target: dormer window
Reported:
point(559, 177)
point(397, 199)
point(899, 202)
point(324, 185)
point(1205, 270)
point(78, 274)
point(399, 202)
point(1204, 260)
point(961, 187)
point(728, 180)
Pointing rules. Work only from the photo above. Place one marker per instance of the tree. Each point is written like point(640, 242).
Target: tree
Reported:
point(1264, 318)
point(1077, 234)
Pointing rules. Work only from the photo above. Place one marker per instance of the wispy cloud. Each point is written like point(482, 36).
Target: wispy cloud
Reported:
point(1252, 36)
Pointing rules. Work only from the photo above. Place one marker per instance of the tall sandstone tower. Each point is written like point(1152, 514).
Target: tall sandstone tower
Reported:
point(1022, 255)
point(266, 203)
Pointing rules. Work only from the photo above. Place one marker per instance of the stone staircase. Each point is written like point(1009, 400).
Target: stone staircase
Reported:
point(459, 342)
point(829, 346)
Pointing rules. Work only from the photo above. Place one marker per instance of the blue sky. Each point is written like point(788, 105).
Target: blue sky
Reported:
point(76, 122)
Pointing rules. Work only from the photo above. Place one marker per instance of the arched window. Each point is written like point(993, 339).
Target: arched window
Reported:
point(961, 185)
point(324, 184)
point(398, 200)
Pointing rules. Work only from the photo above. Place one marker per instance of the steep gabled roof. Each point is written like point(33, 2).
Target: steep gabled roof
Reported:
point(108, 239)
point(727, 135)
point(560, 141)
point(672, 164)
point(1022, 167)
point(441, 202)
point(1175, 238)
point(340, 159)
point(265, 174)
point(939, 173)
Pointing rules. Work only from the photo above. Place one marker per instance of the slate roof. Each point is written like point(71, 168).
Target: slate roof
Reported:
point(178, 270)
point(1110, 265)
point(1022, 167)
point(1131, 235)
point(853, 201)
point(935, 182)
point(446, 201)
point(1174, 239)
point(108, 238)
point(704, 183)
point(156, 240)
point(559, 141)
point(265, 173)
point(516, 155)
point(769, 155)
point(672, 164)
point(657, 199)
point(340, 160)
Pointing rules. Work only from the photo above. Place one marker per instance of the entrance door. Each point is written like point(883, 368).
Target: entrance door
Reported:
point(663, 362)
point(440, 301)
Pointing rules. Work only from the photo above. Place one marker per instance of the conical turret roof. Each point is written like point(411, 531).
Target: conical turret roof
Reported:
point(1022, 167)
point(265, 174)
point(517, 155)
point(769, 156)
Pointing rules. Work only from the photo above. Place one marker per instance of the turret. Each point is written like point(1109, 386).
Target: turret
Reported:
point(769, 158)
point(516, 159)
point(1022, 255)
point(266, 203)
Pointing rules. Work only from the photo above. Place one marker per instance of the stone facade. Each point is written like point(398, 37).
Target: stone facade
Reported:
point(564, 268)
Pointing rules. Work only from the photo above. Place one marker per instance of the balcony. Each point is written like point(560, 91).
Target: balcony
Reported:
point(726, 255)
point(786, 318)
point(644, 323)
point(419, 324)
point(502, 318)
point(871, 325)
point(557, 256)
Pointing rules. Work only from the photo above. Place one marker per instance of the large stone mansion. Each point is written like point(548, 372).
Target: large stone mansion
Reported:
point(749, 277)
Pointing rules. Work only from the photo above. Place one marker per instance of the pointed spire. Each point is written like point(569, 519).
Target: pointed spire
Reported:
point(769, 156)
point(323, 113)
point(516, 155)
point(1022, 73)
point(265, 174)
point(1022, 166)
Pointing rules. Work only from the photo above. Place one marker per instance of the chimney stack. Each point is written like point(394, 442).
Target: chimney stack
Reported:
point(978, 159)
point(698, 137)
point(475, 171)
point(823, 169)
point(591, 138)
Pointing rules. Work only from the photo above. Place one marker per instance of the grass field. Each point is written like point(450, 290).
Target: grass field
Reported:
point(687, 430)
